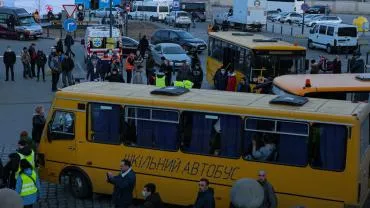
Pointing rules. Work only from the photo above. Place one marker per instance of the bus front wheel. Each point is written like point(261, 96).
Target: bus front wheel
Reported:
point(79, 185)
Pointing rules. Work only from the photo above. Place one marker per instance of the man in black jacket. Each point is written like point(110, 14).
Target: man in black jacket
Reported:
point(205, 198)
point(115, 76)
point(143, 46)
point(9, 61)
point(124, 184)
point(67, 67)
point(68, 42)
point(152, 198)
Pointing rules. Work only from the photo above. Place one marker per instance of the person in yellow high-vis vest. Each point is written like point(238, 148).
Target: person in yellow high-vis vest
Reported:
point(178, 84)
point(160, 80)
point(188, 84)
point(25, 152)
point(28, 184)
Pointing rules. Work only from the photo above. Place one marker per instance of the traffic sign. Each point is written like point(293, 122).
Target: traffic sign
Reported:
point(70, 9)
point(70, 25)
point(305, 7)
point(176, 5)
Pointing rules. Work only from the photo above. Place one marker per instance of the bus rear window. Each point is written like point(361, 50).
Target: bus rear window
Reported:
point(347, 31)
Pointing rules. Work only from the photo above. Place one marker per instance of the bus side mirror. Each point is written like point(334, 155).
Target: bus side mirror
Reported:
point(83, 42)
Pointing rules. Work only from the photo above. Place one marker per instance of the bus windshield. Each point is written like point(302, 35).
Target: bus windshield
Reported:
point(163, 9)
point(347, 31)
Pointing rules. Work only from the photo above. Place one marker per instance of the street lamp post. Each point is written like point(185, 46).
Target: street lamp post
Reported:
point(304, 2)
point(110, 19)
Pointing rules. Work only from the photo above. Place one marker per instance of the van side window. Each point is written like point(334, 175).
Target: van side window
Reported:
point(330, 31)
point(211, 134)
point(62, 125)
point(276, 141)
point(322, 29)
point(105, 123)
point(151, 128)
point(328, 146)
point(3, 18)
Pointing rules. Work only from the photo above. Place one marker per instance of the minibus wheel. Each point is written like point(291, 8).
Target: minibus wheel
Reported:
point(79, 185)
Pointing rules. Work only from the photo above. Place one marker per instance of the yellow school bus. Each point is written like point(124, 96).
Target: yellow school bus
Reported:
point(354, 87)
point(320, 156)
point(253, 56)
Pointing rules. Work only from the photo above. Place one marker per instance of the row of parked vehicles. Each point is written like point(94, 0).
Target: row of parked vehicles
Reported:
point(310, 20)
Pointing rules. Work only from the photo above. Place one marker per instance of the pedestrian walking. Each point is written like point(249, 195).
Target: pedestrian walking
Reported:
point(197, 76)
point(220, 79)
point(33, 55)
point(243, 86)
point(26, 61)
point(38, 124)
point(10, 22)
point(67, 68)
point(69, 42)
point(129, 66)
point(9, 59)
point(231, 81)
point(124, 184)
point(205, 198)
point(24, 136)
point(59, 46)
point(12, 168)
point(40, 63)
point(114, 76)
point(55, 67)
point(270, 199)
point(139, 71)
point(105, 65)
point(93, 68)
point(149, 69)
point(151, 197)
point(143, 46)
point(166, 68)
point(28, 184)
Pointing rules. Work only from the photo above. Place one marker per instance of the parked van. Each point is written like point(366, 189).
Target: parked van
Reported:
point(153, 11)
point(333, 37)
point(25, 25)
point(97, 40)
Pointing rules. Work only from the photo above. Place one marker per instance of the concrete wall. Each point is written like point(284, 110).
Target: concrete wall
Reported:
point(346, 7)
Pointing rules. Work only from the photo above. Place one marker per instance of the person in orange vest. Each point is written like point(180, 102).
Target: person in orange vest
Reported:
point(129, 66)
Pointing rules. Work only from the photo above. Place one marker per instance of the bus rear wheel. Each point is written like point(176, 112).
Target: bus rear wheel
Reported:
point(79, 185)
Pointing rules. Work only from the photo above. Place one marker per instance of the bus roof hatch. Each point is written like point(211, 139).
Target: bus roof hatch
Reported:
point(289, 100)
point(363, 77)
point(171, 91)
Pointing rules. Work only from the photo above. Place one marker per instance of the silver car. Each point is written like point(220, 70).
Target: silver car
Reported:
point(105, 12)
point(325, 19)
point(172, 52)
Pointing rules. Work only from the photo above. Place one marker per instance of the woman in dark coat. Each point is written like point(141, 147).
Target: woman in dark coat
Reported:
point(38, 123)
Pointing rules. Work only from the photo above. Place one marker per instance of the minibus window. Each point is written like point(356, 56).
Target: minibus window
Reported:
point(347, 31)
point(105, 123)
point(62, 125)
point(151, 128)
point(283, 142)
point(328, 146)
point(211, 134)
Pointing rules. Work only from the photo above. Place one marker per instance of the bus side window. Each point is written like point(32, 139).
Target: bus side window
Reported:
point(105, 123)
point(276, 141)
point(152, 128)
point(328, 146)
point(62, 125)
point(211, 134)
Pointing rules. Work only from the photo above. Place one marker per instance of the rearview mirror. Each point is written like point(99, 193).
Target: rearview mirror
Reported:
point(82, 41)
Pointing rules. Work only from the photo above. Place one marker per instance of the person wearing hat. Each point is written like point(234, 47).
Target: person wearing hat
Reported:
point(28, 184)
point(9, 61)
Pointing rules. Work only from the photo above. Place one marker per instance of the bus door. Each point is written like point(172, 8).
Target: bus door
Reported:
point(61, 134)
point(229, 58)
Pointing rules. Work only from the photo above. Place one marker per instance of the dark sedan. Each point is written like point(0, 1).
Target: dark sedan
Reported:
point(184, 39)
point(129, 45)
point(318, 9)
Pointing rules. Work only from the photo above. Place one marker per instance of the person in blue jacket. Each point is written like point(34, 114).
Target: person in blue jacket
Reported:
point(28, 184)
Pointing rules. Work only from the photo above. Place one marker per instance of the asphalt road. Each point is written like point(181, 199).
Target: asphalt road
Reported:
point(19, 98)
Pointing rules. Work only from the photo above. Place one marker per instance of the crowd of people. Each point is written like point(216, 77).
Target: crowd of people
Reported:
point(110, 68)
point(225, 80)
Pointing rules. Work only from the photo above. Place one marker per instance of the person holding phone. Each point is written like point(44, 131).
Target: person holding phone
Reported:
point(124, 184)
